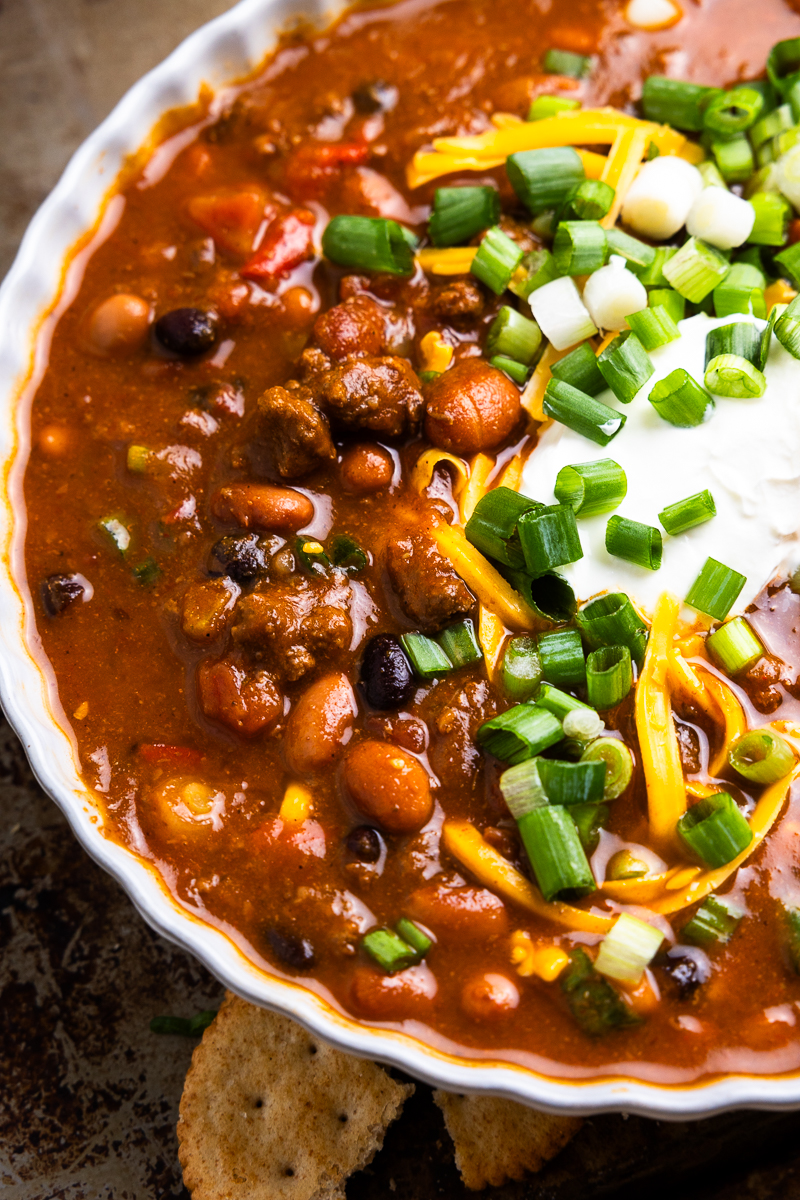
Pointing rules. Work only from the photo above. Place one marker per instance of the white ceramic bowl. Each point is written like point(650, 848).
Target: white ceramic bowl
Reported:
point(222, 51)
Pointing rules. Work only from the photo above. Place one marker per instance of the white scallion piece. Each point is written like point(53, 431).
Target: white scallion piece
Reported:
point(787, 175)
point(652, 14)
point(613, 293)
point(583, 724)
point(661, 195)
point(562, 316)
point(522, 789)
point(628, 949)
point(721, 218)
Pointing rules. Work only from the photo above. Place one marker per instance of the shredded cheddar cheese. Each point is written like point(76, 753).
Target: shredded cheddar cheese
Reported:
point(488, 584)
point(535, 388)
point(450, 260)
point(491, 635)
point(663, 773)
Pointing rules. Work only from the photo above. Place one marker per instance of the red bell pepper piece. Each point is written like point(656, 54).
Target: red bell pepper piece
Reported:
point(313, 167)
point(232, 218)
point(287, 243)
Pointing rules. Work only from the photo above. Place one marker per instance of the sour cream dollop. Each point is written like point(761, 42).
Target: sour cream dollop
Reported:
point(747, 455)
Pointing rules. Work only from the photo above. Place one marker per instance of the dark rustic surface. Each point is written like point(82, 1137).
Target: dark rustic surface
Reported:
point(88, 1096)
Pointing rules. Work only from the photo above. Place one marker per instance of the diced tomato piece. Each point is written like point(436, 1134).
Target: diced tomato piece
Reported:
point(286, 244)
point(174, 756)
point(794, 231)
point(232, 218)
point(314, 166)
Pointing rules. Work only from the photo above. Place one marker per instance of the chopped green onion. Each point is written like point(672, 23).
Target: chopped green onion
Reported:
point(715, 589)
point(675, 102)
point(520, 732)
point(347, 554)
point(542, 179)
point(696, 269)
point(783, 64)
point(579, 247)
point(569, 783)
point(733, 376)
point(555, 852)
point(492, 528)
point(496, 260)
point(413, 935)
point(680, 400)
point(625, 366)
point(766, 338)
point(582, 725)
point(734, 111)
point(740, 338)
point(513, 336)
point(654, 327)
point(184, 1026)
point(773, 212)
point(787, 328)
point(550, 106)
point(368, 244)
point(653, 275)
point(521, 788)
point(117, 528)
point(147, 573)
point(762, 756)
point(770, 126)
point(716, 920)
point(521, 671)
point(591, 200)
point(789, 262)
point(609, 676)
point(551, 596)
point(619, 764)
point(549, 538)
point(311, 556)
point(636, 543)
point(734, 159)
point(591, 488)
point(564, 62)
point(589, 820)
point(536, 269)
point(612, 620)
point(581, 413)
point(595, 1007)
point(460, 644)
point(559, 703)
point(711, 175)
point(715, 830)
point(628, 948)
point(579, 369)
point(741, 291)
point(561, 656)
point(390, 950)
point(515, 370)
point(734, 646)
point(427, 657)
point(561, 313)
point(459, 213)
point(638, 254)
point(686, 514)
point(668, 298)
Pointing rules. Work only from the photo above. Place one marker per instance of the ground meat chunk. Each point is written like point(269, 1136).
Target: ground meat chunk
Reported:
point(296, 622)
point(356, 327)
point(297, 432)
point(688, 747)
point(429, 591)
point(458, 300)
point(378, 394)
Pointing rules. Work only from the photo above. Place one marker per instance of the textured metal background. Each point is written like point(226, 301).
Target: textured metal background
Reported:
point(88, 1096)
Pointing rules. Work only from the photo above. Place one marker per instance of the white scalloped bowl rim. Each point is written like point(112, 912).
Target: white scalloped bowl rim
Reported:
point(227, 49)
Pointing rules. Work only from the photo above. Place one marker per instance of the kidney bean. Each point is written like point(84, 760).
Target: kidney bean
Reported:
point(389, 786)
point(392, 997)
point(319, 722)
point(470, 408)
point(460, 911)
point(118, 325)
point(489, 997)
point(365, 469)
point(262, 506)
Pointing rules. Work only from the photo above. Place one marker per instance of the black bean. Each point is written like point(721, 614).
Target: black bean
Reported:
point(686, 973)
point(59, 591)
point(241, 558)
point(364, 843)
point(375, 96)
point(291, 950)
point(386, 675)
point(187, 331)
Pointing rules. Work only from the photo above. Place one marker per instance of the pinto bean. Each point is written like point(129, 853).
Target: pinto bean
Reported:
point(393, 997)
point(319, 723)
point(489, 997)
point(358, 326)
point(470, 408)
point(460, 911)
point(118, 325)
point(262, 506)
point(365, 469)
point(389, 786)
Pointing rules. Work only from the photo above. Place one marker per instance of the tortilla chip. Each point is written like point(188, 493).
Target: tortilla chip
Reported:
point(270, 1112)
point(496, 1140)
